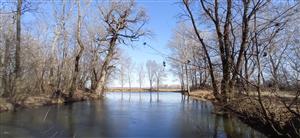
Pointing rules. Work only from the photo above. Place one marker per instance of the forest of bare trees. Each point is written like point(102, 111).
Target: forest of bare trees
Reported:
point(247, 53)
point(69, 50)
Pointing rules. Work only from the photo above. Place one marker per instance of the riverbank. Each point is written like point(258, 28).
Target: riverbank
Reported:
point(279, 122)
point(28, 101)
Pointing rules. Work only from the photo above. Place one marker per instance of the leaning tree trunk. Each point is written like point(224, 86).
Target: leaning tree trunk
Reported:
point(105, 66)
point(204, 46)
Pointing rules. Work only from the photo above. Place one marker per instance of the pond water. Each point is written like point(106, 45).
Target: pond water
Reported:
point(125, 115)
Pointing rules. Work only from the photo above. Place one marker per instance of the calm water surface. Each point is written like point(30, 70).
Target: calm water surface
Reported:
point(130, 115)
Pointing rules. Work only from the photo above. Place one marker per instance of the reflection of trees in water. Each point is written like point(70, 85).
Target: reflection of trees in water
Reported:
point(140, 96)
point(205, 120)
point(184, 99)
point(234, 128)
point(151, 97)
point(191, 122)
point(198, 113)
point(122, 95)
point(71, 121)
point(102, 116)
point(229, 127)
point(129, 96)
point(216, 124)
point(157, 97)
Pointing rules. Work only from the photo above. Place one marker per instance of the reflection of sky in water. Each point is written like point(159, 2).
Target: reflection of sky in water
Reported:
point(131, 115)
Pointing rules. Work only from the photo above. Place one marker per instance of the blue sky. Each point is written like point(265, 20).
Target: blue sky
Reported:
point(163, 16)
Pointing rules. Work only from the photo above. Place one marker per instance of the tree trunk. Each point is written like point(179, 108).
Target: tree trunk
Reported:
point(5, 72)
point(244, 43)
point(18, 49)
point(150, 84)
point(182, 78)
point(60, 73)
point(187, 80)
point(157, 86)
point(246, 84)
point(104, 69)
point(18, 38)
point(78, 56)
point(94, 77)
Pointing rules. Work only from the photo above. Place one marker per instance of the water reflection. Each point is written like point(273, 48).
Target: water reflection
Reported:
point(125, 115)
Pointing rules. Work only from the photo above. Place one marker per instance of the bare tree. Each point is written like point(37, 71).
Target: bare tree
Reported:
point(129, 70)
point(122, 23)
point(141, 75)
point(150, 65)
point(184, 47)
point(122, 75)
point(18, 48)
point(159, 74)
point(79, 54)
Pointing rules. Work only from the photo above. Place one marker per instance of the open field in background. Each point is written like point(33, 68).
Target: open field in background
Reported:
point(142, 90)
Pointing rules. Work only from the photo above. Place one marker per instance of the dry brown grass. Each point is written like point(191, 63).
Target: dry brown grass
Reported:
point(203, 95)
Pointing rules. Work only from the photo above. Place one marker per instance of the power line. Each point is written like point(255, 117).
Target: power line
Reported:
point(168, 57)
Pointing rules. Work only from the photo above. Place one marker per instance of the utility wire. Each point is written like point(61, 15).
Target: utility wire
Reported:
point(162, 54)
point(168, 57)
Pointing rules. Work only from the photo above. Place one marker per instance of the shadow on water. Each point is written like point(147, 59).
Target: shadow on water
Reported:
point(125, 115)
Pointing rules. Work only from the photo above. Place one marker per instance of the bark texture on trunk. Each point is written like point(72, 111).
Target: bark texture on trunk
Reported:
point(78, 56)
point(104, 70)
point(5, 84)
point(18, 38)
point(17, 68)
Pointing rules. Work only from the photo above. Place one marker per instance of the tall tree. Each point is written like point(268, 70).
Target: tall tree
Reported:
point(122, 23)
point(79, 54)
point(18, 46)
point(141, 75)
point(150, 65)
point(159, 75)
point(129, 70)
